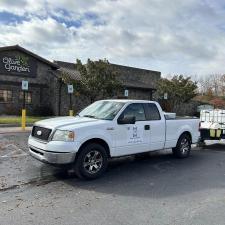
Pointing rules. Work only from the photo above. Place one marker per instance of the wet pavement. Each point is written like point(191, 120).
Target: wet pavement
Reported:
point(155, 189)
point(17, 167)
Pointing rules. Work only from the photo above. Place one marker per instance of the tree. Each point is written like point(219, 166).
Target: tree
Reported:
point(179, 89)
point(218, 103)
point(97, 79)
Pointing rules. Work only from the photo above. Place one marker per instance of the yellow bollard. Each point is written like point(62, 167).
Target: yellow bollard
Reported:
point(71, 113)
point(218, 133)
point(212, 133)
point(23, 119)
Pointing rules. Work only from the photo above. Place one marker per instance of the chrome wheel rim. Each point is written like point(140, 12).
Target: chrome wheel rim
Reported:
point(93, 162)
point(184, 146)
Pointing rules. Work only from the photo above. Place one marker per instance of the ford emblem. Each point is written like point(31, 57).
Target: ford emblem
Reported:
point(39, 133)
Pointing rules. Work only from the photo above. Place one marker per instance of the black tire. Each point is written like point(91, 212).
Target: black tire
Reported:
point(183, 148)
point(91, 162)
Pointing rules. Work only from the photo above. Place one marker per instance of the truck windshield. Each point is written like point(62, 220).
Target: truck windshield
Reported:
point(105, 110)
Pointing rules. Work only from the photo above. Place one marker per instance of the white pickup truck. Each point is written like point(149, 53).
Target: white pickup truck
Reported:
point(110, 128)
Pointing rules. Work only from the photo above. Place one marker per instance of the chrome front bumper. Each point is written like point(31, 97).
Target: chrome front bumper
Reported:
point(52, 157)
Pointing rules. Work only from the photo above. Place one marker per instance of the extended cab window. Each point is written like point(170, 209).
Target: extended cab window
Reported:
point(135, 109)
point(152, 112)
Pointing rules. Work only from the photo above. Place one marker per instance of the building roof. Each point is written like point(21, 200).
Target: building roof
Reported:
point(19, 48)
point(133, 68)
point(69, 70)
point(71, 73)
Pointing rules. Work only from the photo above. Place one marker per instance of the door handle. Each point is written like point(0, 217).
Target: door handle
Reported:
point(147, 127)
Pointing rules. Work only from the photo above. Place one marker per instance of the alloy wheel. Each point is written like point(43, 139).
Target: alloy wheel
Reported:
point(93, 162)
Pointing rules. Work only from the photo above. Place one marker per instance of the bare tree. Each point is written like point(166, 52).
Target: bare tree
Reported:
point(213, 83)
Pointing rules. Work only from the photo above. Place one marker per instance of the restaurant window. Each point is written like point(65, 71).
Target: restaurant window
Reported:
point(28, 97)
point(5, 96)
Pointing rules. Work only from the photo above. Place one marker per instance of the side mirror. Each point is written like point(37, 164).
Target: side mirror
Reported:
point(127, 120)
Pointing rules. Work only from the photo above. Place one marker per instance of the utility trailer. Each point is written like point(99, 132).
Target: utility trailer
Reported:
point(212, 124)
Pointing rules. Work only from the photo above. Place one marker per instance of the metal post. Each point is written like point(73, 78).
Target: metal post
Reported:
point(24, 99)
point(24, 112)
point(71, 110)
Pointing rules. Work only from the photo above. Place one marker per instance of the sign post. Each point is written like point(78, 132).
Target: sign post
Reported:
point(24, 89)
point(165, 96)
point(70, 92)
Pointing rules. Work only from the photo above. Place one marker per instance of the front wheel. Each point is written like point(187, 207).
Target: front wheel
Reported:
point(183, 148)
point(91, 162)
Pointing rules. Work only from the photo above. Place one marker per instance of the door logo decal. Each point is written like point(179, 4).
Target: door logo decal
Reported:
point(135, 135)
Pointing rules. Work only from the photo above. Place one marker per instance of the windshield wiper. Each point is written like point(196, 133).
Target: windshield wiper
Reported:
point(90, 116)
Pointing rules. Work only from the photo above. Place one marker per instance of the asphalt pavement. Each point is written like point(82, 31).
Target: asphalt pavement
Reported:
point(157, 189)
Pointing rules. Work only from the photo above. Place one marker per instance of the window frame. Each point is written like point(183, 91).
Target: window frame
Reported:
point(7, 101)
point(135, 117)
point(148, 114)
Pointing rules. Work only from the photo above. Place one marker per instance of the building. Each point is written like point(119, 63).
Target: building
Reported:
point(17, 64)
point(47, 94)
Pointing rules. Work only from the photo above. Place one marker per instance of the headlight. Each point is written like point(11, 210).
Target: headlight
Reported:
point(63, 135)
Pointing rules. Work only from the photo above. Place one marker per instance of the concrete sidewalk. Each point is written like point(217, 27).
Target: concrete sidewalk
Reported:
point(7, 130)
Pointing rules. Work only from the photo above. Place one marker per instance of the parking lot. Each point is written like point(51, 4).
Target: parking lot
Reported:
point(154, 189)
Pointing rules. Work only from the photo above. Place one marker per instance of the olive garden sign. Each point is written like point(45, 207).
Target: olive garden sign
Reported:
point(17, 64)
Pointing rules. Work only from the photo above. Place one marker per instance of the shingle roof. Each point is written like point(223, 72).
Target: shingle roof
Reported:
point(68, 69)
point(71, 73)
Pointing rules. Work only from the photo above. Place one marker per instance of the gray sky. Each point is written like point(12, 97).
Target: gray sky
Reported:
point(174, 37)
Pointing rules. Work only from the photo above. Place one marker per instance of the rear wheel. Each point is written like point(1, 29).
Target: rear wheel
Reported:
point(183, 148)
point(91, 162)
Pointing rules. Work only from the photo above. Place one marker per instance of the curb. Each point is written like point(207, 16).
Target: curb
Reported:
point(14, 130)
point(14, 125)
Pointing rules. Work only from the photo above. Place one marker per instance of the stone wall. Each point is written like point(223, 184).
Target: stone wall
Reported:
point(133, 77)
point(138, 93)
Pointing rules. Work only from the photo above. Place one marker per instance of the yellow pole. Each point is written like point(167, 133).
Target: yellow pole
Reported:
point(23, 119)
point(71, 112)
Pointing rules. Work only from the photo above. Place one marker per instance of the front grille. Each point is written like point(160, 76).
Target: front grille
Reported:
point(41, 133)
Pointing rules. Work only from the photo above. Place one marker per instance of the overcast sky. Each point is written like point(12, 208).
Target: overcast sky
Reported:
point(174, 37)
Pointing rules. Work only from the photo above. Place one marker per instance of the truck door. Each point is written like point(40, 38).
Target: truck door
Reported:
point(133, 138)
point(157, 126)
